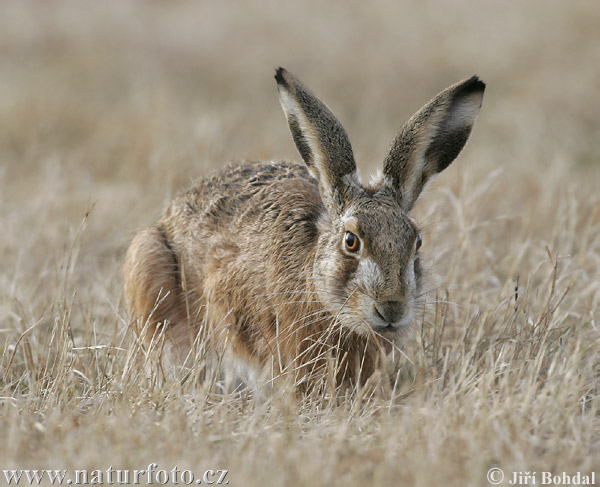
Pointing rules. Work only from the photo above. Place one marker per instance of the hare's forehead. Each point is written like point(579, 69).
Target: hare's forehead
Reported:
point(388, 230)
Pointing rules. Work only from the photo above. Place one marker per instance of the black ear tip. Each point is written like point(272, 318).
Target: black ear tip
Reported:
point(280, 76)
point(472, 85)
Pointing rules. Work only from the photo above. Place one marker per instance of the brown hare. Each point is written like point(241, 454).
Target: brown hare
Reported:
point(281, 266)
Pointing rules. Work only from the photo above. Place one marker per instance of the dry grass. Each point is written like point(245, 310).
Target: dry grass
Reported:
point(106, 111)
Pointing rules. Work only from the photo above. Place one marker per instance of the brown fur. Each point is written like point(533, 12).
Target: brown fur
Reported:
point(252, 259)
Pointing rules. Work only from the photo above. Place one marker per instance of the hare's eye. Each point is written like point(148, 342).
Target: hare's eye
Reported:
point(418, 243)
point(352, 242)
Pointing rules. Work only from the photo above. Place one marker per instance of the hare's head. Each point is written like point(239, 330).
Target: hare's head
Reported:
point(367, 266)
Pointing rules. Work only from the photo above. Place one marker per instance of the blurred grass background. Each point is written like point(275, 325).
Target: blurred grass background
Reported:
point(109, 108)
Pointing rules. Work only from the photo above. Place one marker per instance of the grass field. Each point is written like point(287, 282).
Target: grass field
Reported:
point(107, 111)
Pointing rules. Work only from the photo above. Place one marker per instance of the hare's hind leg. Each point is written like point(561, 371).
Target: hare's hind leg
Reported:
point(155, 297)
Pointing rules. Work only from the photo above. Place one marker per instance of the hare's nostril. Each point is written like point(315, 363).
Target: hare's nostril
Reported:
point(390, 311)
point(378, 313)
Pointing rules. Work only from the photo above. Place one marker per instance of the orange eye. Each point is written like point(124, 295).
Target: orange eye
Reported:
point(418, 243)
point(352, 242)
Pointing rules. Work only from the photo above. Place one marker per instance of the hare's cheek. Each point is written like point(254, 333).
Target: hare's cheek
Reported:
point(334, 273)
point(418, 270)
point(346, 271)
point(369, 277)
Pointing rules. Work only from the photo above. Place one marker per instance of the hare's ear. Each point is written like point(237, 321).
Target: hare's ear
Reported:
point(320, 139)
point(431, 140)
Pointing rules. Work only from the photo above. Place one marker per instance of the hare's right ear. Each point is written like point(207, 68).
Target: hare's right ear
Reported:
point(320, 139)
point(431, 140)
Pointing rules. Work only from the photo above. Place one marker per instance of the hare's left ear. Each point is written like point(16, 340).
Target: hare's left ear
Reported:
point(320, 139)
point(431, 140)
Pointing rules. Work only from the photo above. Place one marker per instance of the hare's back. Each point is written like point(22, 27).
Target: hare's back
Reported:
point(248, 221)
point(230, 194)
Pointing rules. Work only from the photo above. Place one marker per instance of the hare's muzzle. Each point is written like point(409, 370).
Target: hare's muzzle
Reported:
point(391, 312)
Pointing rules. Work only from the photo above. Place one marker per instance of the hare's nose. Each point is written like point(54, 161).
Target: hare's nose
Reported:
point(390, 311)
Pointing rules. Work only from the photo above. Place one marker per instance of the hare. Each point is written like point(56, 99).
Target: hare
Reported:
point(283, 266)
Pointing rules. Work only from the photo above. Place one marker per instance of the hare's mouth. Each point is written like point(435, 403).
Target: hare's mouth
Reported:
point(387, 329)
